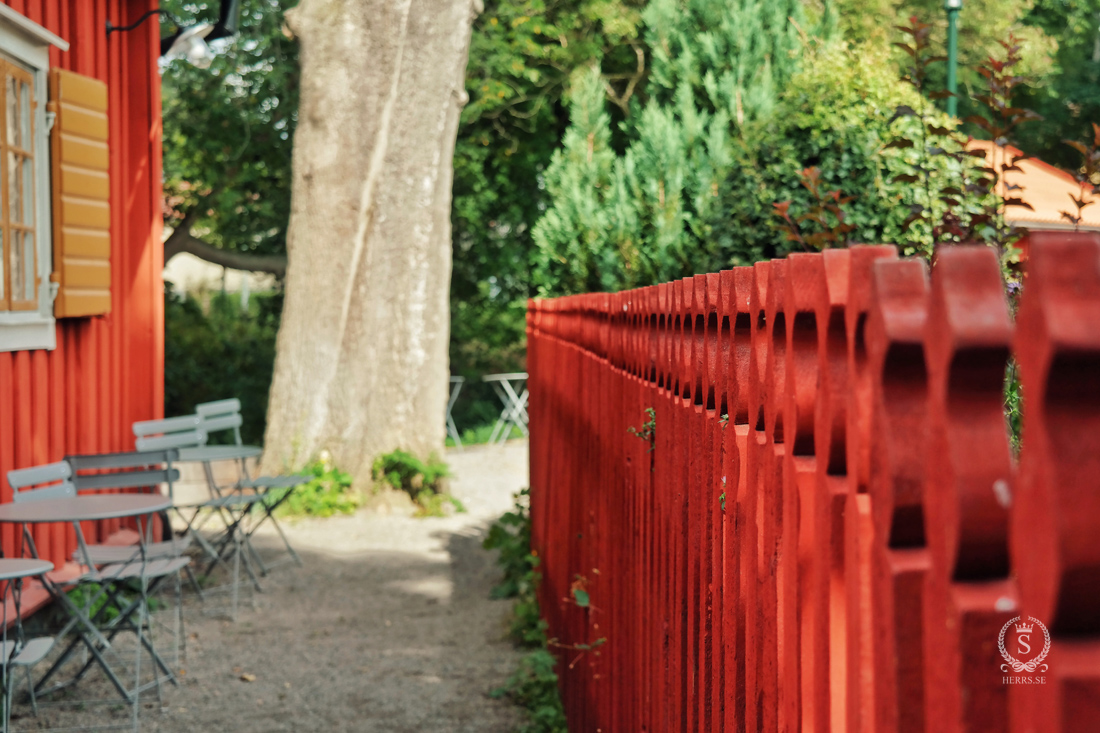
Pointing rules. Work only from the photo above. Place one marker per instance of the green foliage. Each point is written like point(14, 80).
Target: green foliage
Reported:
point(822, 225)
point(953, 199)
point(534, 685)
point(1013, 405)
point(660, 209)
point(511, 536)
point(1068, 95)
point(228, 131)
point(834, 117)
point(1087, 176)
point(648, 431)
point(329, 492)
point(522, 52)
point(91, 598)
point(839, 114)
point(422, 480)
point(220, 351)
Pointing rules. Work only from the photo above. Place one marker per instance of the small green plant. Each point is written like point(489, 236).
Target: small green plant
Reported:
point(648, 431)
point(85, 593)
point(534, 684)
point(534, 687)
point(423, 481)
point(329, 492)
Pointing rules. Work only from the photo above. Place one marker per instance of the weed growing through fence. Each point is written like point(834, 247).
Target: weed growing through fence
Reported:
point(423, 481)
point(648, 431)
point(329, 492)
point(534, 685)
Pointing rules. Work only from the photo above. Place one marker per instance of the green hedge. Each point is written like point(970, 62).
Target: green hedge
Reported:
point(215, 350)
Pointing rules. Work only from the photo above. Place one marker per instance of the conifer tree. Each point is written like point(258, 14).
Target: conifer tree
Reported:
point(657, 211)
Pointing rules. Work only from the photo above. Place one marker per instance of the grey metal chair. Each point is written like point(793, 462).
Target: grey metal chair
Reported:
point(19, 652)
point(52, 481)
point(111, 471)
point(185, 435)
point(223, 415)
point(114, 578)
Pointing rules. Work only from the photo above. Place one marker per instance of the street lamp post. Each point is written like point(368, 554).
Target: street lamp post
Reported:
point(952, 7)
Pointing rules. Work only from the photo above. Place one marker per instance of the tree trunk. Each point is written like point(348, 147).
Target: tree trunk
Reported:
point(361, 357)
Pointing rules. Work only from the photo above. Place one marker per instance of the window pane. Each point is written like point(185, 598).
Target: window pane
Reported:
point(28, 266)
point(16, 268)
point(12, 110)
point(25, 117)
point(28, 191)
point(15, 204)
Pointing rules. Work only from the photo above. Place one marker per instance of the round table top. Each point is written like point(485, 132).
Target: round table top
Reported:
point(218, 453)
point(84, 508)
point(11, 568)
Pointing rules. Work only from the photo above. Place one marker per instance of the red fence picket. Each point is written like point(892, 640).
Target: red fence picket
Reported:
point(783, 497)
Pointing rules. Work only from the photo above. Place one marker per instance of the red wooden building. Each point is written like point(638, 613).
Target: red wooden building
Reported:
point(81, 309)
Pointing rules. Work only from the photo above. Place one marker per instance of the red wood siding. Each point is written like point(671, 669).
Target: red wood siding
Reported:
point(106, 371)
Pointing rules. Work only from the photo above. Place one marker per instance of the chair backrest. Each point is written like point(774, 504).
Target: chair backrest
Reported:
point(124, 470)
point(173, 432)
point(48, 481)
point(221, 415)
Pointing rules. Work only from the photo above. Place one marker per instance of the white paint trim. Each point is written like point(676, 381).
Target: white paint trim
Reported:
point(27, 43)
point(27, 331)
point(31, 29)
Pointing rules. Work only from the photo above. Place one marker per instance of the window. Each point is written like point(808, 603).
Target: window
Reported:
point(19, 266)
point(26, 293)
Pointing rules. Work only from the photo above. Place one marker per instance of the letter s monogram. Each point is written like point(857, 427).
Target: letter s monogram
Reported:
point(1025, 648)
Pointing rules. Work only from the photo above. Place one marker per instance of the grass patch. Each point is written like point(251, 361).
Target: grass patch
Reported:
point(481, 435)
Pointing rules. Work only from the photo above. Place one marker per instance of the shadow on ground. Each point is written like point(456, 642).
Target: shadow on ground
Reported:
point(388, 626)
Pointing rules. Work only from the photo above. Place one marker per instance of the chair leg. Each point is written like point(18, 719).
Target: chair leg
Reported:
point(30, 690)
point(194, 582)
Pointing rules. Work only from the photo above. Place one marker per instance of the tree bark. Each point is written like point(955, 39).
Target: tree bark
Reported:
point(361, 357)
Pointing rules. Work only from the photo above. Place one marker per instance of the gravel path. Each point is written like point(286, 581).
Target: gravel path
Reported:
point(388, 626)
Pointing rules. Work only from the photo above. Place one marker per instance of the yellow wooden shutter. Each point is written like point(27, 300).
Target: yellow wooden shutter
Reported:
point(81, 195)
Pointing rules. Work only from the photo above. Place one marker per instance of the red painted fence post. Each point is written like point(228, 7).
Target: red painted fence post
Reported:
point(1056, 504)
point(824, 530)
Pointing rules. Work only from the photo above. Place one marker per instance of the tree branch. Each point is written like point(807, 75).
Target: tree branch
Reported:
point(181, 240)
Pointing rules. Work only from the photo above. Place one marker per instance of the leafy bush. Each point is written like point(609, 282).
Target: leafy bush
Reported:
point(330, 492)
point(220, 351)
point(83, 594)
point(534, 685)
point(423, 481)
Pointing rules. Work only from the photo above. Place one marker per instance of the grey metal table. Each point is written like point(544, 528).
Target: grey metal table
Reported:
point(17, 569)
point(75, 510)
point(511, 388)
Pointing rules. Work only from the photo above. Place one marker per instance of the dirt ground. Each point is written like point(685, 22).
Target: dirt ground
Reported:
point(388, 626)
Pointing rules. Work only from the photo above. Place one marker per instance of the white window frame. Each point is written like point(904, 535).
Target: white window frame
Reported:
point(24, 42)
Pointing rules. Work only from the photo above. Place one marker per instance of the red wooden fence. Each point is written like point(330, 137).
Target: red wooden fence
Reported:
point(847, 550)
